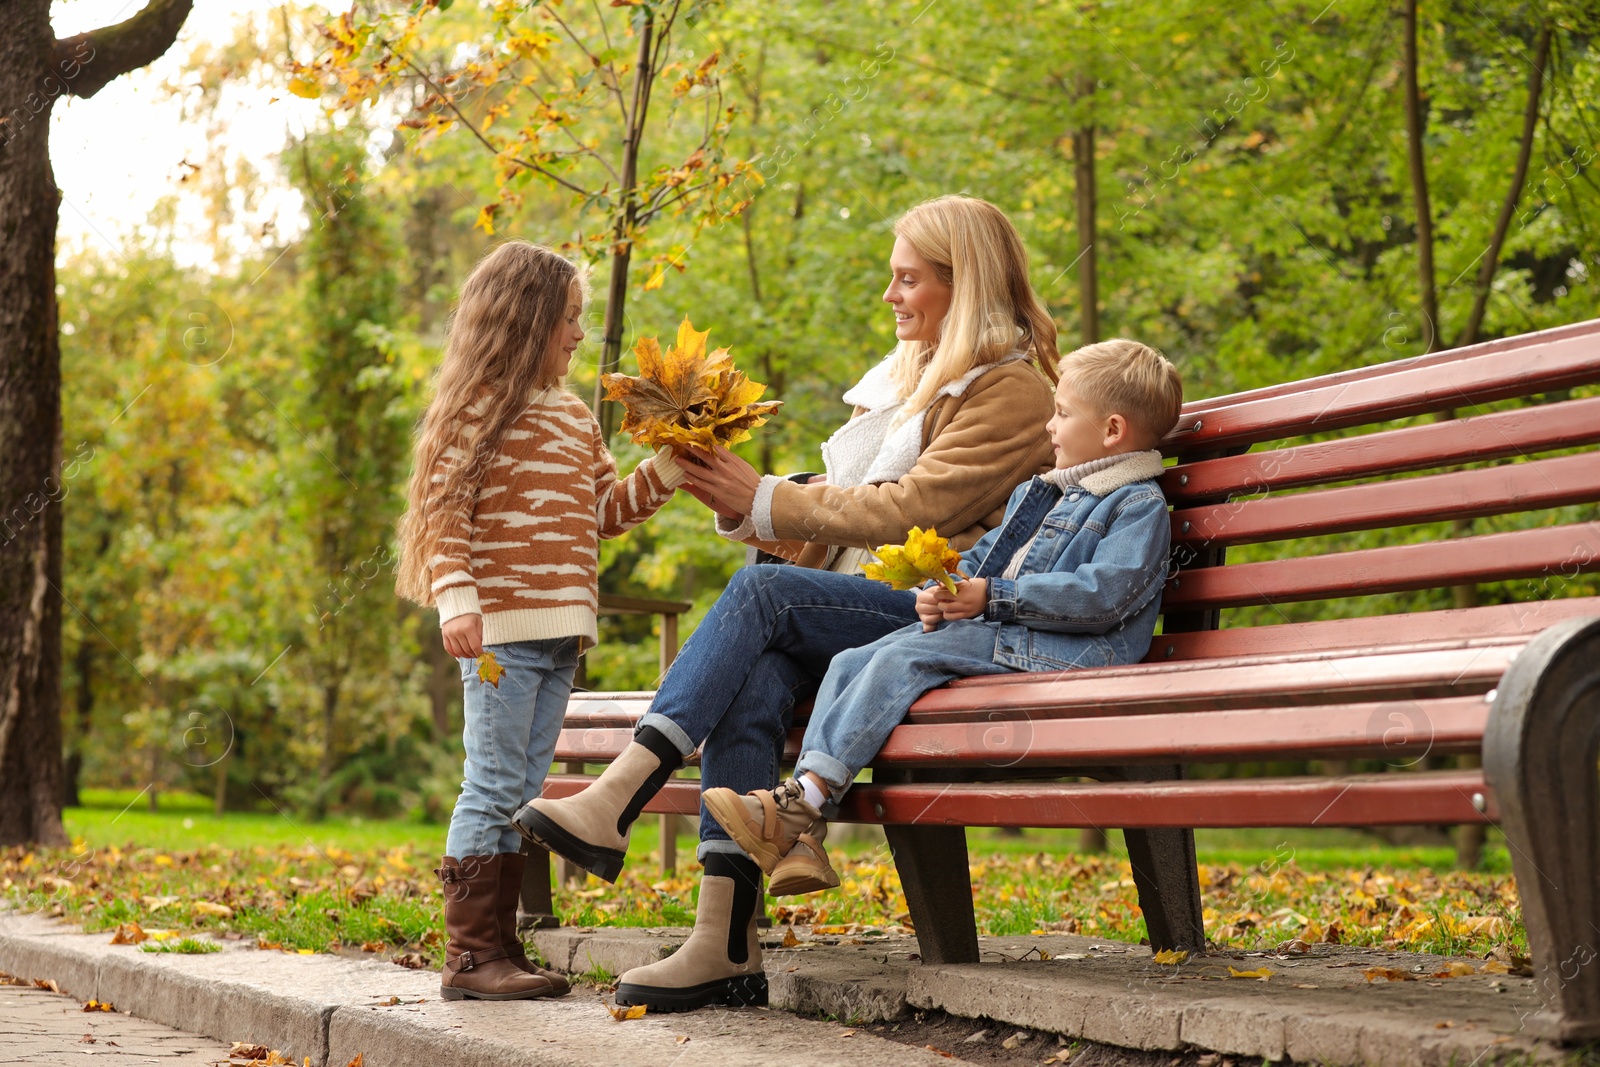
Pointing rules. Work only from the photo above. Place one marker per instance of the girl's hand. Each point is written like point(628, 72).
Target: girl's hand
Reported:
point(463, 636)
point(705, 498)
point(928, 607)
point(729, 482)
point(972, 596)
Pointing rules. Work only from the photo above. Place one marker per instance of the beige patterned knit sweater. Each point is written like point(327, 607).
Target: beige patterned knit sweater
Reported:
point(527, 555)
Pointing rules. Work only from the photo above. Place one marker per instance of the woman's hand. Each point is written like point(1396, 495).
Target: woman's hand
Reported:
point(463, 636)
point(718, 506)
point(728, 481)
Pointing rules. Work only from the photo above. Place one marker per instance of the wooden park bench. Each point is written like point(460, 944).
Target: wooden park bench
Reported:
point(1323, 488)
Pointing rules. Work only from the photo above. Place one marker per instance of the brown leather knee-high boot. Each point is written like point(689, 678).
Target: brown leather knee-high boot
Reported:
point(477, 964)
point(512, 866)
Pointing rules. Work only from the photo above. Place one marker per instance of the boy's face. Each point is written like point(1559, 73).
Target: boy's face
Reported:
point(1079, 434)
point(568, 333)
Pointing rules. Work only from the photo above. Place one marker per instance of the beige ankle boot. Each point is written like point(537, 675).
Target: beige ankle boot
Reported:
point(592, 828)
point(721, 961)
point(766, 823)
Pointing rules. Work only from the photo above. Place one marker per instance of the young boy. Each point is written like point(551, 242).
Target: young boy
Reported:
point(1071, 578)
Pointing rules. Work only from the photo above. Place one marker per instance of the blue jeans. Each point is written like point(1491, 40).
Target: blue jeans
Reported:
point(868, 691)
point(764, 645)
point(510, 738)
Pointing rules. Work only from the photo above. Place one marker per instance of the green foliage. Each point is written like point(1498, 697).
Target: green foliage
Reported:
point(235, 438)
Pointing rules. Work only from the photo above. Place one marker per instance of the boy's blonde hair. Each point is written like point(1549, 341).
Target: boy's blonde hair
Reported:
point(1130, 379)
point(498, 345)
point(994, 311)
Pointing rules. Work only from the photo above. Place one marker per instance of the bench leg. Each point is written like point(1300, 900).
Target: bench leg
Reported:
point(1539, 756)
point(535, 909)
point(1169, 888)
point(932, 861)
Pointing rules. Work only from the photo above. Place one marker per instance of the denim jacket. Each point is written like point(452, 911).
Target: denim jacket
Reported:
point(1089, 590)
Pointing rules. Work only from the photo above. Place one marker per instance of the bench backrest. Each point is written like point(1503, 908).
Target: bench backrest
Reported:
point(1323, 489)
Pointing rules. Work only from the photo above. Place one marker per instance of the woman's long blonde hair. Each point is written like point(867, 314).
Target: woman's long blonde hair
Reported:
point(993, 309)
point(498, 353)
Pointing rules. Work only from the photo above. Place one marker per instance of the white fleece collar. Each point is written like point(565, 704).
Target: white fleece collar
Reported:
point(1102, 478)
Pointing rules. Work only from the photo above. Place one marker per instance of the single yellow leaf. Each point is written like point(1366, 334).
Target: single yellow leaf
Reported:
point(620, 1013)
point(98, 1005)
point(1389, 974)
point(489, 669)
point(129, 934)
point(687, 397)
point(1170, 955)
point(305, 87)
point(207, 907)
point(789, 940)
point(1260, 972)
point(1455, 969)
point(657, 276)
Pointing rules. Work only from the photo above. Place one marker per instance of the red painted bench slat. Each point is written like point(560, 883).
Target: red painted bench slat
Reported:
point(1511, 487)
point(1357, 800)
point(1565, 550)
point(1377, 632)
point(1498, 435)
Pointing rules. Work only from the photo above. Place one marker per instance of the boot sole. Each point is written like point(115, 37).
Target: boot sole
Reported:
point(740, 991)
point(726, 807)
point(450, 992)
point(800, 882)
point(604, 863)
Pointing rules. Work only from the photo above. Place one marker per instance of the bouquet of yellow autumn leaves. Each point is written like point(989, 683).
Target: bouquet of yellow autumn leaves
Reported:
point(924, 556)
point(688, 397)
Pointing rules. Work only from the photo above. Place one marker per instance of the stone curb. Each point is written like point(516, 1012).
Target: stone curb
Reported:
point(330, 1009)
point(1113, 994)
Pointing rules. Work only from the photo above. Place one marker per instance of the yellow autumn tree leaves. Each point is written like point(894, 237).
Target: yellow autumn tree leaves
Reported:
point(688, 397)
point(924, 556)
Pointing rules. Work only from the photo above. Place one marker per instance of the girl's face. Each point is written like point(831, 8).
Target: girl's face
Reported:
point(568, 333)
point(920, 300)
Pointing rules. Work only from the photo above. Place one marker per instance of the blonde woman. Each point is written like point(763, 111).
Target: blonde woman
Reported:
point(944, 427)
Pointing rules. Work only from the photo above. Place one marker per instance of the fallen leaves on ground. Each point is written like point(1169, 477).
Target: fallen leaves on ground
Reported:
point(925, 556)
point(98, 1005)
point(374, 903)
point(687, 397)
point(1170, 955)
point(1260, 973)
point(1388, 974)
point(621, 1014)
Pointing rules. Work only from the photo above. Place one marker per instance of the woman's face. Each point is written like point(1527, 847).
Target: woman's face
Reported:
point(918, 297)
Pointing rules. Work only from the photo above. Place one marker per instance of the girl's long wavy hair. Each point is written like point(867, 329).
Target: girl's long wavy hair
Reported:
point(994, 311)
point(497, 354)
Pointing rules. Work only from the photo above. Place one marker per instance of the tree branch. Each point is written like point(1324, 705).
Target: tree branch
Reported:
point(99, 56)
point(1502, 224)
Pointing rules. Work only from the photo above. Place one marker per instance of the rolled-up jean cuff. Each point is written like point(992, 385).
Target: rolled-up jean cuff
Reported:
point(670, 730)
point(828, 769)
point(720, 845)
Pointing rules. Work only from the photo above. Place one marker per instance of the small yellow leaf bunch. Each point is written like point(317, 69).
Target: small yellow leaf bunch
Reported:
point(688, 397)
point(924, 556)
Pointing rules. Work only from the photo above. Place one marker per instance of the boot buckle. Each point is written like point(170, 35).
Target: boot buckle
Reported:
point(465, 962)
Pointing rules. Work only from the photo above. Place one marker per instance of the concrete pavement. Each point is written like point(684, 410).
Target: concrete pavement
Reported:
point(1318, 1007)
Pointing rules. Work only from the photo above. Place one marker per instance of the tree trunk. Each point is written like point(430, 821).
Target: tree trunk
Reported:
point(30, 434)
point(622, 233)
point(35, 69)
point(1416, 127)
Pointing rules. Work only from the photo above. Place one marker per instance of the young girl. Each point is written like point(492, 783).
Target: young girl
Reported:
point(511, 492)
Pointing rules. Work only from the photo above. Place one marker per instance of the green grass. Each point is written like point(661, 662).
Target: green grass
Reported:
point(188, 946)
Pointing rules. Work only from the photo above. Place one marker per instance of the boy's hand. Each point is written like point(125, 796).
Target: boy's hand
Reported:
point(463, 636)
point(934, 605)
point(928, 608)
point(972, 596)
